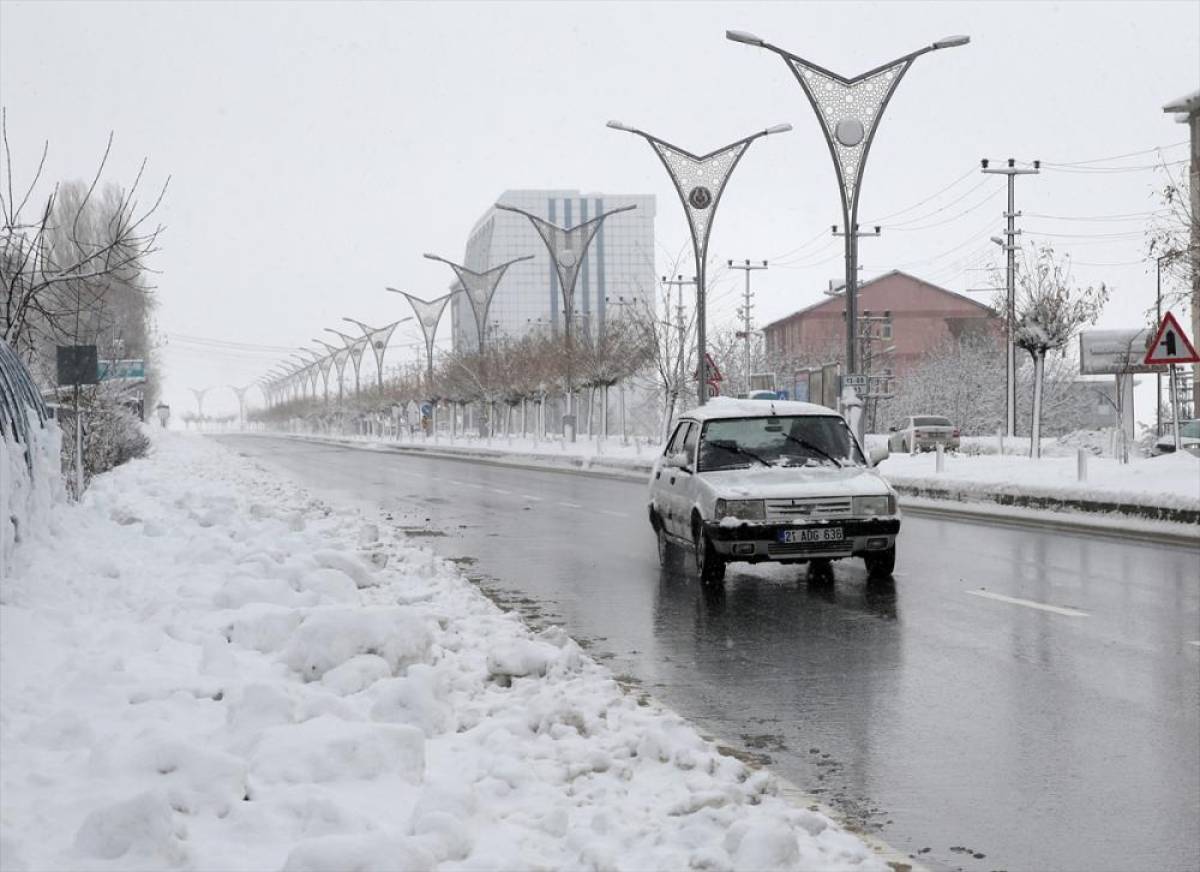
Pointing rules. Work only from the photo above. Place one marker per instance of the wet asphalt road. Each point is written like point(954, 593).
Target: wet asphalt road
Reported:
point(925, 710)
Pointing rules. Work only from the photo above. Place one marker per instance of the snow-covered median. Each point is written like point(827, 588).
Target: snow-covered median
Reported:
point(206, 669)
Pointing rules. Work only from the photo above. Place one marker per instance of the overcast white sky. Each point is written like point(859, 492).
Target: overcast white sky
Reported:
point(316, 150)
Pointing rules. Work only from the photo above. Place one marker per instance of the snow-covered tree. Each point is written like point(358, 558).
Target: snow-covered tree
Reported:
point(1050, 310)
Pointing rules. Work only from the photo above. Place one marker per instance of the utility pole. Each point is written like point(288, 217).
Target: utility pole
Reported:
point(852, 268)
point(1010, 247)
point(678, 282)
point(747, 268)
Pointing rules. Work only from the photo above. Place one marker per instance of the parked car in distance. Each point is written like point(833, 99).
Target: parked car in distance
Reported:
point(787, 482)
point(762, 395)
point(923, 433)
point(1189, 439)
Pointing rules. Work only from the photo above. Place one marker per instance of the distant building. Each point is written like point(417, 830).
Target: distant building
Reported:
point(903, 316)
point(617, 271)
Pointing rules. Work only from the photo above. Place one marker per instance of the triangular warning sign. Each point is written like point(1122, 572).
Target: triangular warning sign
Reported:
point(710, 367)
point(1170, 345)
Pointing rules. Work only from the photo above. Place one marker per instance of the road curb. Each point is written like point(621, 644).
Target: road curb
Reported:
point(1074, 516)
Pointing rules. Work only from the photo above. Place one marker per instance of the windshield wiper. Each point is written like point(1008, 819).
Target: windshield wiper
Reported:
point(734, 448)
point(811, 447)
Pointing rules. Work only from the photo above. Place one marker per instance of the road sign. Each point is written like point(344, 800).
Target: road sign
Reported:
point(858, 382)
point(714, 374)
point(1170, 345)
point(113, 370)
point(76, 364)
point(1113, 352)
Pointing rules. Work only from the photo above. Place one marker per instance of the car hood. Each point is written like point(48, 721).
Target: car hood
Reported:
point(795, 481)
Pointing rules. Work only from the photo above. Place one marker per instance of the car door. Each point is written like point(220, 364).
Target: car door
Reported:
point(687, 482)
point(662, 487)
point(673, 477)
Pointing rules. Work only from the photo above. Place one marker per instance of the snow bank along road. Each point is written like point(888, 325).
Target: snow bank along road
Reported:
point(202, 668)
point(1031, 696)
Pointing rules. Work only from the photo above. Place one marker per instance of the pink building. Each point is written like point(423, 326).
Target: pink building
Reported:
point(905, 313)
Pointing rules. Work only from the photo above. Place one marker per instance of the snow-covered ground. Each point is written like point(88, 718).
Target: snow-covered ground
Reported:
point(1171, 480)
point(203, 668)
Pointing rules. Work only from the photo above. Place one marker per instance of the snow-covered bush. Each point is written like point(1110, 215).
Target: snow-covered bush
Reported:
point(30, 484)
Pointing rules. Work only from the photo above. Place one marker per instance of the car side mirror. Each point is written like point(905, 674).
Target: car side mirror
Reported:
point(878, 454)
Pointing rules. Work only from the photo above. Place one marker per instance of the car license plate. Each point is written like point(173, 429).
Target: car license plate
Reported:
point(812, 534)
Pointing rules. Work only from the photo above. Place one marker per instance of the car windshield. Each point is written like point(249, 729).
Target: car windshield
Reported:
point(930, 421)
point(778, 440)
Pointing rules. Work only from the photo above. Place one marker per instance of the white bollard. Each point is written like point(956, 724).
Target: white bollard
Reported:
point(1000, 439)
point(1081, 457)
point(941, 457)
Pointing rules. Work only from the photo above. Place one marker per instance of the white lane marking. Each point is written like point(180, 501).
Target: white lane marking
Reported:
point(500, 490)
point(614, 514)
point(531, 497)
point(571, 505)
point(1196, 643)
point(1016, 601)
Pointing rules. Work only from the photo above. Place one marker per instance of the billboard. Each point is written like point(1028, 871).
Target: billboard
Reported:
point(1113, 352)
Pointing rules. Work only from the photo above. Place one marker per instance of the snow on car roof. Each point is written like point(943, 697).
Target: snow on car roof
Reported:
point(728, 407)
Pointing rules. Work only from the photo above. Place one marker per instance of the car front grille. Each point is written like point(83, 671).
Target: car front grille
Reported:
point(808, 507)
point(782, 549)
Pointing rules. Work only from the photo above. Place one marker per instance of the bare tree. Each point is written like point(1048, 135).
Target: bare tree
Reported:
point(68, 251)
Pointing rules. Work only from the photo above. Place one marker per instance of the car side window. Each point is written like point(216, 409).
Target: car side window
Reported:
point(675, 443)
point(689, 443)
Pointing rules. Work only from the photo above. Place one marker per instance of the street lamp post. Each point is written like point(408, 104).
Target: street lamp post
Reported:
point(338, 357)
point(377, 338)
point(567, 247)
point(241, 395)
point(428, 314)
point(699, 181)
point(480, 287)
point(355, 346)
point(849, 110)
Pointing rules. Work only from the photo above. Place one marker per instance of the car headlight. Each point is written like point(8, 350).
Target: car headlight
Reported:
point(746, 510)
point(885, 505)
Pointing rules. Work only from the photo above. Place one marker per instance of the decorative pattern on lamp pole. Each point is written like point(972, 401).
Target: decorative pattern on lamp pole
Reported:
point(700, 180)
point(567, 247)
point(377, 338)
point(849, 110)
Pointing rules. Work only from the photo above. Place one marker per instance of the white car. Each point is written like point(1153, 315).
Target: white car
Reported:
point(1189, 439)
point(748, 480)
point(923, 433)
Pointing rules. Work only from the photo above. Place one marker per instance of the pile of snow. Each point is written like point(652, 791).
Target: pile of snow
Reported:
point(30, 484)
point(1169, 481)
point(206, 669)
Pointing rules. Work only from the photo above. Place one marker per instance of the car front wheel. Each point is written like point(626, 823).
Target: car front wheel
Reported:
point(710, 567)
point(881, 564)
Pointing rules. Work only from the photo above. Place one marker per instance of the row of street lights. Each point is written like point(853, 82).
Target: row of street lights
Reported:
point(848, 109)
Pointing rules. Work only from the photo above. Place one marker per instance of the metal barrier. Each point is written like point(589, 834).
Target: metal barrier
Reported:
point(19, 397)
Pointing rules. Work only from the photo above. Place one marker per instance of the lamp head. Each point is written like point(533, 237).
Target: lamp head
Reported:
point(997, 240)
point(617, 125)
point(951, 41)
point(778, 128)
point(743, 36)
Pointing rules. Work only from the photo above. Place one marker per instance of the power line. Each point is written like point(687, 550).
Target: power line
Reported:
point(1126, 216)
point(928, 199)
point(993, 195)
point(1156, 148)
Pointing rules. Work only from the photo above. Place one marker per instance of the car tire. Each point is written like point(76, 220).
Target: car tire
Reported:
point(710, 566)
point(881, 564)
point(664, 546)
